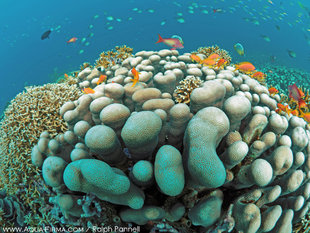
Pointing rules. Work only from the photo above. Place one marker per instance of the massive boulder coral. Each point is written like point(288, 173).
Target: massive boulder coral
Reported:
point(222, 162)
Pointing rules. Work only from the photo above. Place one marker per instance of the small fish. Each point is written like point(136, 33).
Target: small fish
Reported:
point(294, 112)
point(46, 35)
point(278, 27)
point(135, 76)
point(208, 62)
point(66, 76)
point(259, 76)
point(196, 58)
point(291, 53)
point(295, 92)
point(88, 90)
point(217, 10)
point(305, 116)
point(266, 38)
point(175, 43)
point(273, 91)
point(213, 56)
point(283, 108)
point(72, 40)
point(102, 79)
point(302, 104)
point(239, 49)
point(221, 63)
point(246, 67)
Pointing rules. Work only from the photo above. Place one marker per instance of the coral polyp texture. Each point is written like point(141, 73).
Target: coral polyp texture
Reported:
point(132, 155)
point(29, 114)
point(111, 57)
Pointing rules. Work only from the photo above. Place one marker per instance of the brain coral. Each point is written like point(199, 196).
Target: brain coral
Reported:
point(29, 114)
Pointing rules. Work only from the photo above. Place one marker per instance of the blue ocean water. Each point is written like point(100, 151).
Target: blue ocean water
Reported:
point(27, 60)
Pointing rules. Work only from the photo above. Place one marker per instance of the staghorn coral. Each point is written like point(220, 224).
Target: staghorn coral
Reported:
point(108, 58)
point(185, 88)
point(215, 49)
point(31, 112)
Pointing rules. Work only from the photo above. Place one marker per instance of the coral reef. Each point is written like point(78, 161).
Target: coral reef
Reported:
point(182, 92)
point(281, 76)
point(31, 112)
point(111, 57)
point(11, 210)
point(131, 155)
point(256, 159)
point(214, 49)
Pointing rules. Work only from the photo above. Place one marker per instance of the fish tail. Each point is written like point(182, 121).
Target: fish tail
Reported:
point(160, 39)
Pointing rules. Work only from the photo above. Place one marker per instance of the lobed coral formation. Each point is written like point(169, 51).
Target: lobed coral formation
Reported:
point(255, 177)
point(183, 91)
point(31, 112)
point(207, 51)
point(111, 57)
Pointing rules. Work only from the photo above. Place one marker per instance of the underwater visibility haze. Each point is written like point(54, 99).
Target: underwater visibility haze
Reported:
point(155, 116)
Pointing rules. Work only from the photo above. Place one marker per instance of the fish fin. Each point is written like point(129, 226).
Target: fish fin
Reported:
point(160, 39)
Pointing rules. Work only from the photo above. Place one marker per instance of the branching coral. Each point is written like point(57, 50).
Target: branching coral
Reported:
point(183, 91)
point(85, 65)
point(31, 112)
point(69, 79)
point(108, 58)
point(281, 76)
point(215, 49)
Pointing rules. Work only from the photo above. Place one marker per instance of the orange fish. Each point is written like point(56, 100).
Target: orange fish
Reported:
point(66, 76)
point(306, 116)
point(246, 67)
point(302, 104)
point(258, 74)
point(295, 92)
point(221, 63)
point(135, 76)
point(214, 56)
point(208, 62)
point(102, 79)
point(282, 108)
point(273, 91)
point(196, 58)
point(295, 112)
point(88, 90)
point(72, 40)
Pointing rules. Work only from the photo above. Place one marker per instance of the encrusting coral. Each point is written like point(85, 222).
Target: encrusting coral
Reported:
point(29, 114)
